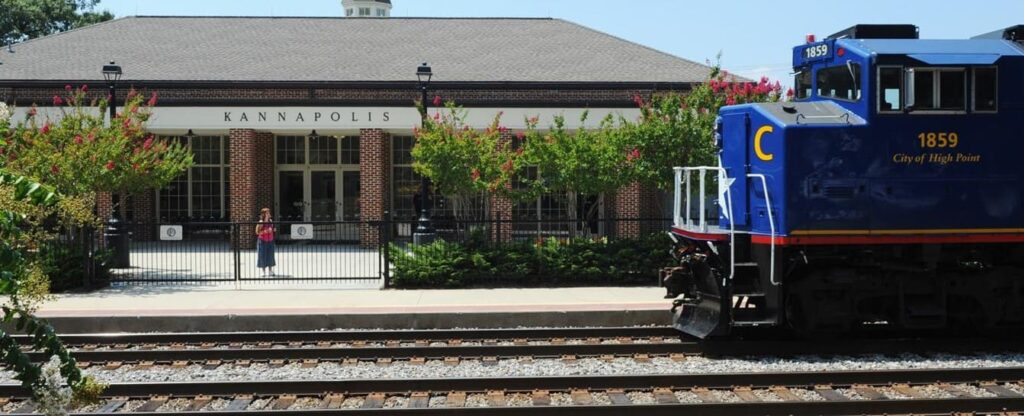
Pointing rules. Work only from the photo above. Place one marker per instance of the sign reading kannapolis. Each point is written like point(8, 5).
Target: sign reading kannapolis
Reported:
point(303, 117)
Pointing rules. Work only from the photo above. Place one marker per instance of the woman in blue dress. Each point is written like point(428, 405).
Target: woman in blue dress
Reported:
point(265, 243)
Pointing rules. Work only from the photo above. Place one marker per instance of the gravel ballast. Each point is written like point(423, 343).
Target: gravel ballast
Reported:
point(541, 367)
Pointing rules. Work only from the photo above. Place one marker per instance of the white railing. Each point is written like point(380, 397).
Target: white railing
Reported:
point(771, 223)
point(683, 220)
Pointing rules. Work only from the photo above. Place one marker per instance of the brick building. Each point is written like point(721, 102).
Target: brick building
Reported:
point(313, 117)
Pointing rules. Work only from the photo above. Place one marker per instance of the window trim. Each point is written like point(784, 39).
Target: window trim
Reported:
point(860, 88)
point(878, 89)
point(974, 89)
point(937, 89)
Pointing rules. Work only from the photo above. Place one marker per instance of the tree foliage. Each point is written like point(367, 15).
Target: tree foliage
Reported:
point(26, 19)
point(81, 153)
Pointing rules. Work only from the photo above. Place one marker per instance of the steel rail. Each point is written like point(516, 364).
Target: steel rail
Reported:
point(363, 335)
point(718, 380)
point(327, 353)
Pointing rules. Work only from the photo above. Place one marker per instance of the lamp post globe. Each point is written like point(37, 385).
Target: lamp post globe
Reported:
point(425, 233)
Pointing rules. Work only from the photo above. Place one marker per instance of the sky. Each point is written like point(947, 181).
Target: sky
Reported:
point(754, 38)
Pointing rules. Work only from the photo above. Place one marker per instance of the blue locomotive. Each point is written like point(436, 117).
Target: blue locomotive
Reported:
point(887, 194)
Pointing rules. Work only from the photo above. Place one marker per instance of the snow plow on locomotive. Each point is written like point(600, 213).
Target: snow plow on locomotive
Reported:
point(887, 194)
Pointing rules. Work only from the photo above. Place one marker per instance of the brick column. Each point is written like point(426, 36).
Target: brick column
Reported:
point(374, 173)
point(144, 206)
point(501, 207)
point(243, 160)
point(264, 177)
point(626, 205)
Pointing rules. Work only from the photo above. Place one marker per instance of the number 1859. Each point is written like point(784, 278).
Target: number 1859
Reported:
point(931, 140)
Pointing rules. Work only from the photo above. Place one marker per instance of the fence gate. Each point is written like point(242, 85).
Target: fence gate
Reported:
point(351, 253)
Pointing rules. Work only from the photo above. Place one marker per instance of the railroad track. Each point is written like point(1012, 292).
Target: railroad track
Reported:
point(452, 346)
point(944, 391)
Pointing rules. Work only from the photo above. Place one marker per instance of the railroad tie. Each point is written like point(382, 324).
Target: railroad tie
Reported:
point(198, 403)
point(112, 405)
point(417, 360)
point(455, 342)
point(642, 358)
point(332, 401)
point(581, 397)
point(607, 357)
point(746, 394)
point(618, 397)
point(310, 363)
point(656, 340)
point(240, 402)
point(490, 342)
point(998, 390)
point(451, 360)
point(785, 394)
point(384, 361)
point(558, 341)
point(212, 364)
point(243, 363)
point(665, 396)
point(283, 402)
point(677, 357)
point(374, 401)
point(82, 365)
point(541, 398)
point(593, 341)
point(569, 359)
point(520, 342)
point(207, 345)
point(496, 398)
point(490, 361)
point(358, 344)
point(705, 395)
point(829, 394)
point(276, 363)
point(393, 344)
point(456, 399)
point(908, 390)
point(323, 344)
point(869, 392)
point(421, 343)
point(350, 361)
point(177, 365)
point(144, 365)
point(625, 340)
point(154, 403)
point(419, 399)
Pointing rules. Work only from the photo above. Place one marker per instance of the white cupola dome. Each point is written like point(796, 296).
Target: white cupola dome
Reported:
point(367, 8)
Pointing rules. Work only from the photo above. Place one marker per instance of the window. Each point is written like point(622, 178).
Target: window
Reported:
point(350, 150)
point(382, 13)
point(937, 89)
point(323, 150)
point(803, 84)
point(200, 193)
point(405, 183)
point(840, 82)
point(348, 12)
point(890, 89)
point(291, 150)
point(364, 11)
point(986, 82)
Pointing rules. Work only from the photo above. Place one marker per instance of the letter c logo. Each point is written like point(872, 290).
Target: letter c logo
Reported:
point(767, 157)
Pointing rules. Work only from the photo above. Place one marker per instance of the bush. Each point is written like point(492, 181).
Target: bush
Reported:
point(551, 262)
point(64, 264)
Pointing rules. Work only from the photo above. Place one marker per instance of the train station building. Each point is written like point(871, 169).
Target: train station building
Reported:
point(313, 117)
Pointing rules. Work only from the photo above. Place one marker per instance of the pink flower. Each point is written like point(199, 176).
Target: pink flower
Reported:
point(790, 92)
point(502, 129)
point(520, 135)
point(127, 122)
point(148, 143)
point(32, 112)
point(519, 151)
point(91, 137)
point(132, 93)
point(730, 101)
point(110, 165)
point(152, 100)
point(67, 88)
point(54, 169)
point(57, 101)
point(475, 175)
point(638, 100)
point(135, 166)
point(437, 101)
point(714, 85)
point(534, 120)
point(85, 88)
point(45, 129)
point(507, 166)
point(78, 139)
point(633, 155)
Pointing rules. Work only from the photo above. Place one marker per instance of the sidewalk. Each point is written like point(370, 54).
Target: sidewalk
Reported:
point(224, 308)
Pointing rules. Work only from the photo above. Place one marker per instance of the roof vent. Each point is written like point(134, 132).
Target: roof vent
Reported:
point(877, 32)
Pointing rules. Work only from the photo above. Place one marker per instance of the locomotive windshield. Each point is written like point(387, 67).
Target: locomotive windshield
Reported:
point(803, 84)
point(839, 82)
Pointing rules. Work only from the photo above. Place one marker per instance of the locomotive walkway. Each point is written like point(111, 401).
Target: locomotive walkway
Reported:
point(271, 307)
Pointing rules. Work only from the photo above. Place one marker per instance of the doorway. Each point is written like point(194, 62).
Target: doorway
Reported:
point(318, 194)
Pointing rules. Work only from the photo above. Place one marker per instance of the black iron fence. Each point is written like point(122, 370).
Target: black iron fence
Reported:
point(372, 254)
point(211, 252)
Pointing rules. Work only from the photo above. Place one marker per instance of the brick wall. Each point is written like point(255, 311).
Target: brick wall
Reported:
point(635, 201)
point(144, 208)
point(501, 207)
point(264, 172)
point(375, 174)
point(242, 202)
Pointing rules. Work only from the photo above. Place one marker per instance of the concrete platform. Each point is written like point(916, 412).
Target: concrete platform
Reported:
point(272, 308)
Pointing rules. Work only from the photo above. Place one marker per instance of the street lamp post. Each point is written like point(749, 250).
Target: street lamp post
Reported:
point(115, 234)
point(425, 233)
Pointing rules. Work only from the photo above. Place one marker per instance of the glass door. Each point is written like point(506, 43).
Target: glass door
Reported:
point(291, 200)
point(350, 195)
point(323, 195)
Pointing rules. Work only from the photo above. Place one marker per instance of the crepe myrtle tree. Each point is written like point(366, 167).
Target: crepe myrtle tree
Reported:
point(77, 151)
point(678, 130)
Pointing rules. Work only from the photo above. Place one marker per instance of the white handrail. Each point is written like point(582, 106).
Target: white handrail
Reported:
point(771, 223)
point(702, 225)
point(678, 198)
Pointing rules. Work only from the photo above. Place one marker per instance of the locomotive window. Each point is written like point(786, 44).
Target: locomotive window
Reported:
point(985, 82)
point(924, 90)
point(890, 89)
point(952, 90)
point(840, 82)
point(803, 84)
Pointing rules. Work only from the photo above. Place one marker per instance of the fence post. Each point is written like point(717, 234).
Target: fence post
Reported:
point(385, 248)
point(236, 248)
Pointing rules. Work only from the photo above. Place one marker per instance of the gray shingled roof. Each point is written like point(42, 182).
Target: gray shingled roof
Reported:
point(339, 49)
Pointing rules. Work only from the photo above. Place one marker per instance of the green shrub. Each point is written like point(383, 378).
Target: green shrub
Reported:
point(65, 265)
point(551, 262)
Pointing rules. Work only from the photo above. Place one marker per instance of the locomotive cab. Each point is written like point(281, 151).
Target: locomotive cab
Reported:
point(880, 197)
